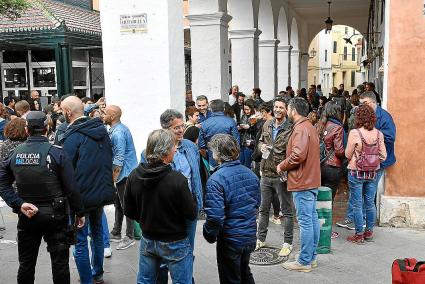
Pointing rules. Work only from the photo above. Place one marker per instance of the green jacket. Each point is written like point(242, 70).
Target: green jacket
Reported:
point(278, 152)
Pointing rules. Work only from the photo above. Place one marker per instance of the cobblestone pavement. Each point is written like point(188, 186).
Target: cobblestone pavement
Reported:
point(348, 263)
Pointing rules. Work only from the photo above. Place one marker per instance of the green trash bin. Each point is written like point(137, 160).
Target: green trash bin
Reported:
point(324, 210)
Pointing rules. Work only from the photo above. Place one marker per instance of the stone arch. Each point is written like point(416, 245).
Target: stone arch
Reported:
point(294, 40)
point(282, 31)
point(265, 20)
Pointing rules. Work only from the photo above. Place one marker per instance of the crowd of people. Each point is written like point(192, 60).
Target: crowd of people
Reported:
point(229, 163)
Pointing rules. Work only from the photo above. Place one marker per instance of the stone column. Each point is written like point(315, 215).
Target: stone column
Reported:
point(210, 56)
point(304, 70)
point(267, 65)
point(143, 68)
point(283, 53)
point(295, 69)
point(245, 59)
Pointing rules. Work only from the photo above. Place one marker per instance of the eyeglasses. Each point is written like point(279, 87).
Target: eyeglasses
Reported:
point(178, 127)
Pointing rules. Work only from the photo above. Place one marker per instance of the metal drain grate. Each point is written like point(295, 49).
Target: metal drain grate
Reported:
point(266, 256)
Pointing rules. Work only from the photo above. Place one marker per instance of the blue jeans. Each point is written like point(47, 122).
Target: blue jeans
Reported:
point(177, 255)
point(191, 232)
point(362, 195)
point(305, 205)
point(105, 230)
point(89, 270)
point(245, 156)
point(350, 213)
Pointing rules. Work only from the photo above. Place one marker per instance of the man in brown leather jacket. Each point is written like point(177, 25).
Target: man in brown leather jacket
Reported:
point(272, 144)
point(303, 166)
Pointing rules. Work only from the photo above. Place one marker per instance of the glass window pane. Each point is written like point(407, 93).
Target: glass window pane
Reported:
point(44, 77)
point(15, 56)
point(79, 55)
point(79, 74)
point(43, 55)
point(97, 77)
point(15, 77)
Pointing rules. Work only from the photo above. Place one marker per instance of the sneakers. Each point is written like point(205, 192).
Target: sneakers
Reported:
point(313, 264)
point(275, 220)
point(260, 244)
point(368, 236)
point(296, 266)
point(286, 249)
point(125, 243)
point(107, 253)
point(346, 224)
point(116, 238)
point(357, 239)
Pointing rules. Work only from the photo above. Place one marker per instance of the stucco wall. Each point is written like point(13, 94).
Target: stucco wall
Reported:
point(406, 97)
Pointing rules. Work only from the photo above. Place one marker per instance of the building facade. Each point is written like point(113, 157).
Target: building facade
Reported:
point(267, 43)
point(55, 48)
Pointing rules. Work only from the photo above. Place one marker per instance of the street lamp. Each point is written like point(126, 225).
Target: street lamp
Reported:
point(329, 21)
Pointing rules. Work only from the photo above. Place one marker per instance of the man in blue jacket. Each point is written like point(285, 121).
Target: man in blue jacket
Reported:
point(186, 161)
point(384, 123)
point(218, 123)
point(231, 204)
point(87, 143)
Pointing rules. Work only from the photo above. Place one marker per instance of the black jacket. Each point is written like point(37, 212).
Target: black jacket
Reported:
point(159, 198)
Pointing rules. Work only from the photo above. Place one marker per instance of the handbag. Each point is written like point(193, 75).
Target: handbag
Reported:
point(408, 271)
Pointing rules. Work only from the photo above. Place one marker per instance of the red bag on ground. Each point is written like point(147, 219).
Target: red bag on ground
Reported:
point(408, 271)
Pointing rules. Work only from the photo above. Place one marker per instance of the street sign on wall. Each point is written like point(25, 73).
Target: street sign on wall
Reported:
point(132, 24)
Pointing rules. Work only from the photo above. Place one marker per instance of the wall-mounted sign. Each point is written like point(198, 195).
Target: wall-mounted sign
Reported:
point(132, 24)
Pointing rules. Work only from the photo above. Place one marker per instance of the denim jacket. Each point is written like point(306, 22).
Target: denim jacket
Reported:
point(193, 157)
point(124, 153)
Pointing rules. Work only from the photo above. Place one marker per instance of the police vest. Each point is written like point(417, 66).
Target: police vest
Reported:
point(34, 180)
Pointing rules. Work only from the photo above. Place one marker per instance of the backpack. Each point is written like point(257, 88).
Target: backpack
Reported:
point(325, 154)
point(408, 271)
point(368, 161)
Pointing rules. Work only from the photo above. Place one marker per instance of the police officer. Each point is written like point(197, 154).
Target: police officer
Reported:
point(46, 194)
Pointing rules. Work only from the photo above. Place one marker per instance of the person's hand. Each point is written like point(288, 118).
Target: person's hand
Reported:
point(80, 221)
point(264, 148)
point(101, 102)
point(29, 209)
point(245, 126)
point(278, 170)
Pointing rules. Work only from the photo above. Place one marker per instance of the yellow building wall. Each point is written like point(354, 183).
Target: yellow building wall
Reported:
point(339, 64)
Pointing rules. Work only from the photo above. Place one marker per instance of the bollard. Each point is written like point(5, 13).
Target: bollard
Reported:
point(324, 210)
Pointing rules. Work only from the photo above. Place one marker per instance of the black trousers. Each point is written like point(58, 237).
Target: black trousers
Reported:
point(233, 263)
point(331, 177)
point(119, 212)
point(30, 232)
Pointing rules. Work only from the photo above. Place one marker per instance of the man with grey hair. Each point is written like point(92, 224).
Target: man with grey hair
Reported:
point(159, 198)
point(231, 204)
point(186, 161)
point(218, 123)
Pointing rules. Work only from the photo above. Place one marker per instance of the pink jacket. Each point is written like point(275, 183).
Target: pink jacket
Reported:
point(354, 144)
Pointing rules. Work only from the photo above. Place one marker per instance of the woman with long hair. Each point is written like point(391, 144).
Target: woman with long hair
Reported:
point(247, 131)
point(331, 132)
point(365, 150)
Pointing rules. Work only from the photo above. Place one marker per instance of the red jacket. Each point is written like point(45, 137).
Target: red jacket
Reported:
point(333, 136)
